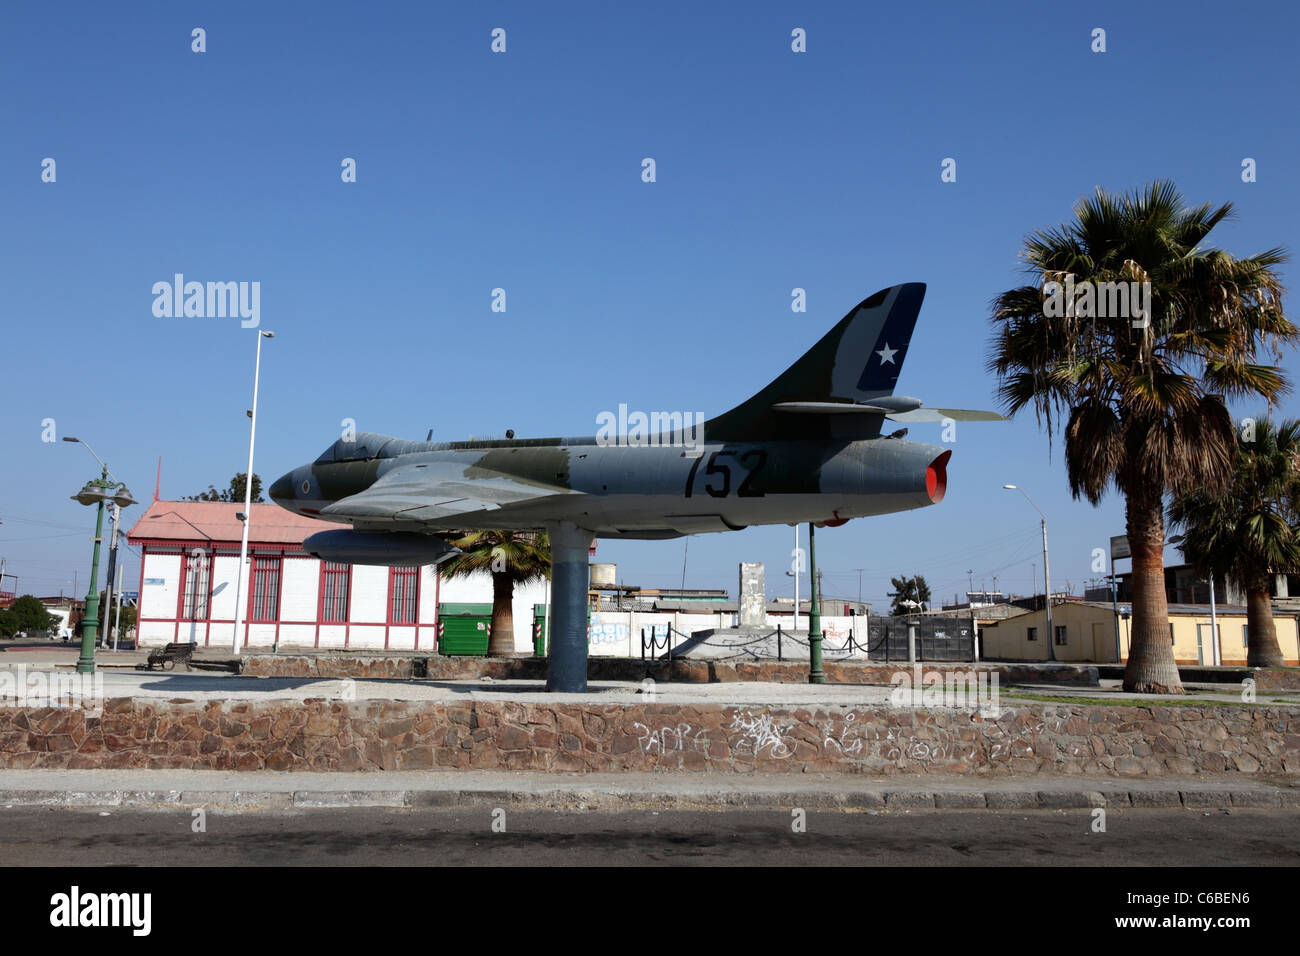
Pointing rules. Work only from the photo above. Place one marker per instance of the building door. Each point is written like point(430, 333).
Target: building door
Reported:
point(1202, 638)
point(1205, 643)
point(1103, 642)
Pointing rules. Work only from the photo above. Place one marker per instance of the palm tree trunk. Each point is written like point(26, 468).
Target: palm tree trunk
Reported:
point(502, 641)
point(1262, 648)
point(1151, 668)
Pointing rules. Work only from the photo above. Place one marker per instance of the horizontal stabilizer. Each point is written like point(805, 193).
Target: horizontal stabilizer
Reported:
point(895, 408)
point(829, 408)
point(939, 414)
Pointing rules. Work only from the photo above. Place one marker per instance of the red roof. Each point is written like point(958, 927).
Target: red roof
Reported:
point(215, 521)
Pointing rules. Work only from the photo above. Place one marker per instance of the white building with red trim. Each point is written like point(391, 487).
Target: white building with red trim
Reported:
point(190, 553)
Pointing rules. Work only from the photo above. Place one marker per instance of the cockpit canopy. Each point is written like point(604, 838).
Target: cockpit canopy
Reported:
point(368, 445)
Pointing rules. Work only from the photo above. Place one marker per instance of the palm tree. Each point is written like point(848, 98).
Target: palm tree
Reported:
point(511, 557)
point(1250, 532)
point(1145, 399)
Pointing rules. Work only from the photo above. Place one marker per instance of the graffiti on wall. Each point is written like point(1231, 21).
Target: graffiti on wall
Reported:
point(607, 633)
point(669, 738)
point(762, 732)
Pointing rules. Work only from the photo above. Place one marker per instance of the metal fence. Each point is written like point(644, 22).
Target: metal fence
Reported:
point(776, 644)
point(937, 639)
point(871, 638)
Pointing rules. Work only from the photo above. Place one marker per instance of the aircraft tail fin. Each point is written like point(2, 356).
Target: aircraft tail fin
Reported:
point(855, 362)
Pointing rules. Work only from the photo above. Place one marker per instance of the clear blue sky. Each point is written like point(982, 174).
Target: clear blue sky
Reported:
point(522, 171)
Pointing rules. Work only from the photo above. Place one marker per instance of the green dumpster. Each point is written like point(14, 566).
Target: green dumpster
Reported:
point(540, 633)
point(539, 630)
point(464, 629)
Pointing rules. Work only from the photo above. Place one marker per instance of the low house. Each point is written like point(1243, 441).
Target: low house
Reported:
point(189, 554)
point(64, 609)
point(1089, 631)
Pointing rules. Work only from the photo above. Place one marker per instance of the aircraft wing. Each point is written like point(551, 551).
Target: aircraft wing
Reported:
point(939, 414)
point(433, 492)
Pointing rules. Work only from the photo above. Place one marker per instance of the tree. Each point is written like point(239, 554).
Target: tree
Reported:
point(1249, 532)
point(907, 589)
point(235, 492)
point(1145, 399)
point(511, 557)
point(26, 614)
point(108, 617)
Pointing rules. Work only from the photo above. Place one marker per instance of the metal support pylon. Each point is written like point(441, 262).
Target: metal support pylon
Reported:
point(566, 670)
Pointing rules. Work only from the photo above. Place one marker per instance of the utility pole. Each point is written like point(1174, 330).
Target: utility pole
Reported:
point(1114, 603)
point(110, 581)
point(117, 627)
point(798, 567)
point(1047, 575)
point(1215, 654)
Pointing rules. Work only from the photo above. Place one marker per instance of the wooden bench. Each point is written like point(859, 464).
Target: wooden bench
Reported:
point(169, 655)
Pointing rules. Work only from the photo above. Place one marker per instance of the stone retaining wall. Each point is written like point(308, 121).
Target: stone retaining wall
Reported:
point(505, 735)
point(1277, 678)
point(336, 666)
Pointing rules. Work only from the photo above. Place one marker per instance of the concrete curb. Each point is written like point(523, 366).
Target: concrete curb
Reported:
point(587, 798)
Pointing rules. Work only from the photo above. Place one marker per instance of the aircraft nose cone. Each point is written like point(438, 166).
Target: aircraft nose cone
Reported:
point(282, 487)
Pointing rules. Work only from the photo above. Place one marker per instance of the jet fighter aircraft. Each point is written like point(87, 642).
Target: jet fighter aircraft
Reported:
point(807, 448)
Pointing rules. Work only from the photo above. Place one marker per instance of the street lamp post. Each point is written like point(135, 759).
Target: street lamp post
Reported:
point(90, 623)
point(248, 497)
point(1047, 575)
point(99, 492)
point(815, 675)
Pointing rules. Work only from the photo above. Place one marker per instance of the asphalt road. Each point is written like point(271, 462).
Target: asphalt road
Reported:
point(36, 836)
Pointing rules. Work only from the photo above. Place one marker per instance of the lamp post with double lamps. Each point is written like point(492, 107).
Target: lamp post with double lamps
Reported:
point(98, 491)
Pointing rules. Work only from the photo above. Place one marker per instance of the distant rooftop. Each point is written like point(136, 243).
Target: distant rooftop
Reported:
point(1198, 609)
point(215, 522)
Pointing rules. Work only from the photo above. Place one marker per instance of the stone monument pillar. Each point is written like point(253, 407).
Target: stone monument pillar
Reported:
point(753, 595)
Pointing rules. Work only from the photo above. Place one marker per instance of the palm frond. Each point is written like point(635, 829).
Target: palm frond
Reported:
point(1214, 315)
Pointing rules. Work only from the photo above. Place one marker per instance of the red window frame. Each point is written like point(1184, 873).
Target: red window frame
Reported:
point(264, 592)
point(192, 561)
point(403, 595)
point(334, 574)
